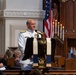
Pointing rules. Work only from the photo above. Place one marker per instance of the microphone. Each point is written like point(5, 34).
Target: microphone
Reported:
point(39, 32)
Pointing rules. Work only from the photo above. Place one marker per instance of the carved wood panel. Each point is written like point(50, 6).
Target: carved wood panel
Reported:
point(69, 16)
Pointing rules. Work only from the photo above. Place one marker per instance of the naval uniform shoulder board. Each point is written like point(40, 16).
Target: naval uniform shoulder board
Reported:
point(22, 31)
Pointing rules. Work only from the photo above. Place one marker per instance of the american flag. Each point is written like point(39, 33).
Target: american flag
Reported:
point(48, 28)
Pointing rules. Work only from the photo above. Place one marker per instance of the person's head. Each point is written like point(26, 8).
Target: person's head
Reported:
point(31, 24)
point(17, 53)
point(8, 54)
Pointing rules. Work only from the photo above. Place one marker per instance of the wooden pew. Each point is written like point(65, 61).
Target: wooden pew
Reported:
point(59, 61)
point(61, 72)
point(10, 62)
point(15, 72)
point(70, 64)
point(50, 72)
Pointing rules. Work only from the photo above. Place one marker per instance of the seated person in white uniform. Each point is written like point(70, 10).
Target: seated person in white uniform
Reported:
point(26, 64)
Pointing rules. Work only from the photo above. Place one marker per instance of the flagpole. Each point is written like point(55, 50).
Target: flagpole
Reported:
point(44, 2)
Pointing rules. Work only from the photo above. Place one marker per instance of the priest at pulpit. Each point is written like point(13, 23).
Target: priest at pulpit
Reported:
point(25, 44)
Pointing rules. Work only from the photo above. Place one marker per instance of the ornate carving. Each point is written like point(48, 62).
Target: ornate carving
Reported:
point(42, 51)
point(23, 13)
point(55, 11)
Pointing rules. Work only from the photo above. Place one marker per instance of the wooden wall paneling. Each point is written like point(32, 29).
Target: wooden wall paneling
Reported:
point(70, 64)
point(65, 48)
point(62, 13)
point(58, 48)
point(74, 27)
point(68, 19)
point(62, 20)
point(69, 16)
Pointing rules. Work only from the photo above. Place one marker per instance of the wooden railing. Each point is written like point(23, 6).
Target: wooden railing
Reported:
point(51, 72)
point(69, 69)
point(15, 72)
point(61, 72)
